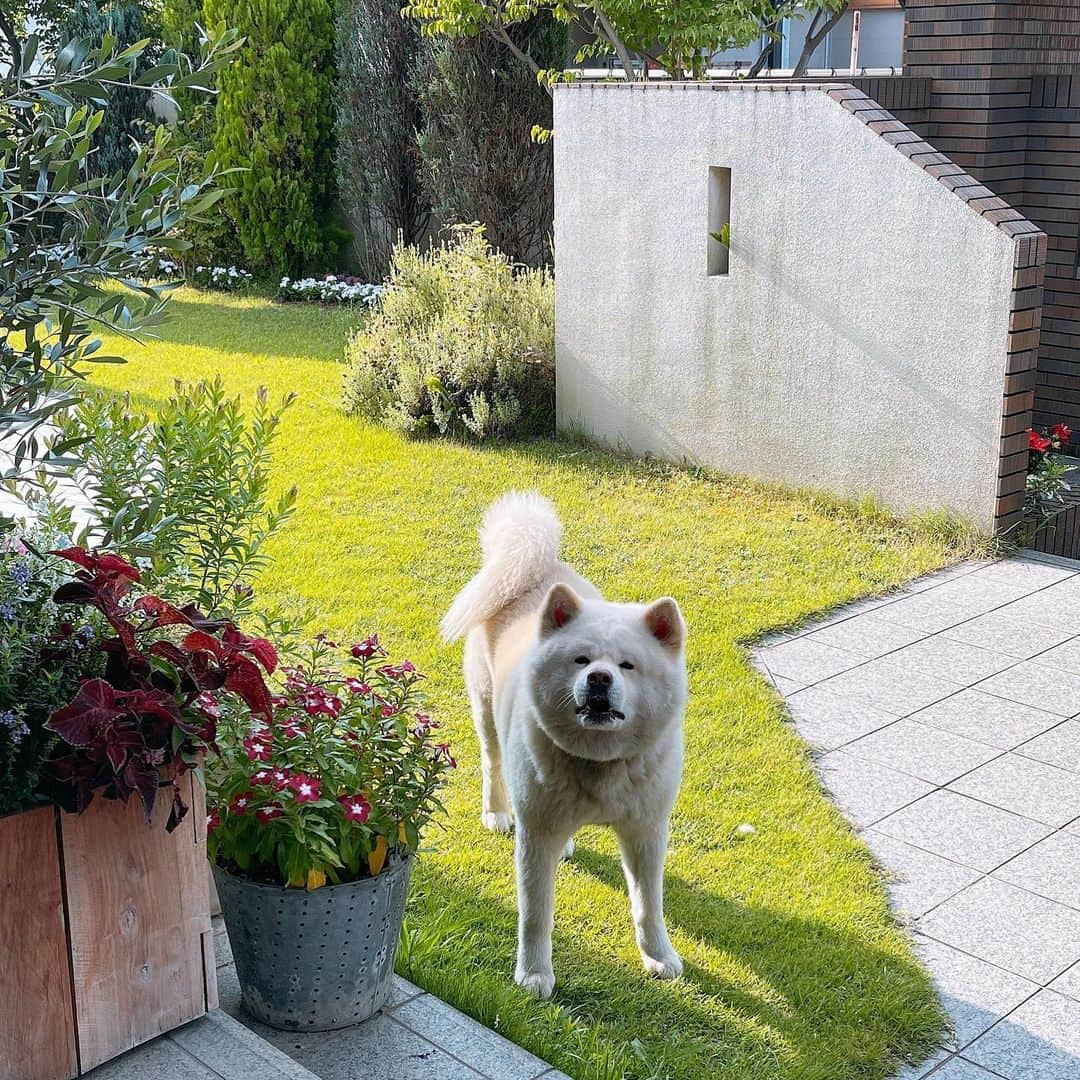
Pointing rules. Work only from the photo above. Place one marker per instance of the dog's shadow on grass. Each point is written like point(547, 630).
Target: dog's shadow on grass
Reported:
point(786, 989)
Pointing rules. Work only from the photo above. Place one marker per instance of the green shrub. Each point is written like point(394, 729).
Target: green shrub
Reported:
point(185, 491)
point(129, 118)
point(376, 118)
point(463, 344)
point(273, 121)
point(479, 105)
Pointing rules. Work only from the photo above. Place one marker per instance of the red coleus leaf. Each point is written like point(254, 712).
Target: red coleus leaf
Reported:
point(92, 708)
point(150, 703)
point(122, 737)
point(236, 642)
point(246, 681)
point(98, 564)
point(142, 779)
point(162, 613)
point(201, 641)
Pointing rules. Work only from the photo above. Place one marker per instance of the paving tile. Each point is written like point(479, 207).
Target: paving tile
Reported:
point(1008, 927)
point(476, 1045)
point(381, 1049)
point(868, 634)
point(1065, 656)
point(786, 687)
point(1051, 868)
point(866, 791)
point(1068, 983)
point(1037, 610)
point(806, 661)
point(827, 720)
point(1020, 571)
point(926, 752)
point(975, 994)
point(926, 612)
point(1039, 1041)
point(980, 594)
point(1059, 746)
point(953, 661)
point(158, 1060)
point(920, 880)
point(1031, 788)
point(890, 686)
point(1038, 685)
point(963, 830)
point(1011, 636)
point(233, 1052)
point(403, 991)
point(923, 1068)
point(985, 718)
point(958, 1068)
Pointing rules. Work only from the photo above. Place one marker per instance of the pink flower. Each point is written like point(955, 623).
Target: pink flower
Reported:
point(213, 820)
point(1062, 431)
point(357, 808)
point(268, 813)
point(256, 751)
point(261, 777)
point(389, 710)
point(357, 686)
point(397, 671)
point(1037, 443)
point(305, 788)
point(279, 777)
point(240, 803)
point(322, 639)
point(443, 750)
point(366, 649)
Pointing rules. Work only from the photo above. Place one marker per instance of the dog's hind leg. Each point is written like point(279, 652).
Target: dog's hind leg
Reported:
point(495, 805)
point(643, 849)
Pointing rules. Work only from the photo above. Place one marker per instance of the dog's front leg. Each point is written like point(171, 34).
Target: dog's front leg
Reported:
point(643, 849)
point(537, 853)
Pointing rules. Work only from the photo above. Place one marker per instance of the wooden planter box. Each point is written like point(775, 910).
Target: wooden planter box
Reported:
point(105, 933)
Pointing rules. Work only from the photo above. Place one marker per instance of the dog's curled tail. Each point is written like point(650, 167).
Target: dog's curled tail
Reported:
point(520, 542)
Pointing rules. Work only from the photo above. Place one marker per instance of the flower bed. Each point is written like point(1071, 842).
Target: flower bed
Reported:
point(330, 289)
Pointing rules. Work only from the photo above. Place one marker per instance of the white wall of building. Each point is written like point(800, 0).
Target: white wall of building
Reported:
point(857, 343)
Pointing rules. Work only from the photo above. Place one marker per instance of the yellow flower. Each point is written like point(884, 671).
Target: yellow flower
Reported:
point(377, 856)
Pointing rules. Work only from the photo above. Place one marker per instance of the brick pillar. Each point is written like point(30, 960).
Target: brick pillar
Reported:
point(1005, 105)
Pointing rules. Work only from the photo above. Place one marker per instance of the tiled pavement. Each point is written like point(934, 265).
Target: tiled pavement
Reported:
point(417, 1037)
point(945, 721)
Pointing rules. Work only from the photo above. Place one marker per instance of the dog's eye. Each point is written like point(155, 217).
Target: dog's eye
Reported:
point(581, 659)
point(626, 666)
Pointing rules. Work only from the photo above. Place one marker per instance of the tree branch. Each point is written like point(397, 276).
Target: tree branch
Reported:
point(815, 37)
point(499, 32)
point(616, 43)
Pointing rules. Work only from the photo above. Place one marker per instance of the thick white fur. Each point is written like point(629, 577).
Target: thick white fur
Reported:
point(529, 621)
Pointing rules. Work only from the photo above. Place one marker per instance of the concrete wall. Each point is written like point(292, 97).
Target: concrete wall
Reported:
point(858, 342)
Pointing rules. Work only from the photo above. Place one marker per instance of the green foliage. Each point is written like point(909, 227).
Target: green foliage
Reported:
point(273, 120)
point(129, 118)
point(43, 657)
point(376, 117)
point(186, 491)
point(463, 344)
point(214, 240)
point(680, 37)
point(68, 233)
point(480, 106)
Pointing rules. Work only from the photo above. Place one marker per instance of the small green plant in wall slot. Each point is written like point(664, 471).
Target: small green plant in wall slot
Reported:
point(724, 235)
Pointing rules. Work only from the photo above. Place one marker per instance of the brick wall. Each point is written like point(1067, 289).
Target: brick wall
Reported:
point(1005, 104)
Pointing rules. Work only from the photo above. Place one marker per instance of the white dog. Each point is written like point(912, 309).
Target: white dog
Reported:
point(578, 704)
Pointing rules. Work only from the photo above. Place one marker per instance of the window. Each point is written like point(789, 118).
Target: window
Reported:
point(719, 220)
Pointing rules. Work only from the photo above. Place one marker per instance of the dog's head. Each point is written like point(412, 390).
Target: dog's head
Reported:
point(608, 680)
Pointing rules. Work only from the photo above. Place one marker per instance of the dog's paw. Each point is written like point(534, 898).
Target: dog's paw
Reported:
point(668, 966)
point(568, 851)
point(498, 821)
point(539, 984)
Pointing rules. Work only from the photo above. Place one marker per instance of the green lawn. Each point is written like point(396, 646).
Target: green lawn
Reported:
point(793, 966)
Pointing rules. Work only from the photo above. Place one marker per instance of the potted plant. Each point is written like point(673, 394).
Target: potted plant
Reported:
point(102, 709)
point(314, 819)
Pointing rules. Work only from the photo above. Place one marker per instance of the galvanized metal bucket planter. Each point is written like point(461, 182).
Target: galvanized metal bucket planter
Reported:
point(319, 960)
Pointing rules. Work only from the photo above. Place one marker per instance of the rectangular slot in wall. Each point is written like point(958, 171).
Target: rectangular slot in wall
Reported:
point(719, 219)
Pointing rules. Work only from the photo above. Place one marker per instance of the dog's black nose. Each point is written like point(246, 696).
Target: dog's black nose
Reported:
point(598, 680)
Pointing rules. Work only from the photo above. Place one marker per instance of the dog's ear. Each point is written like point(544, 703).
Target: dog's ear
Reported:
point(665, 623)
point(561, 606)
